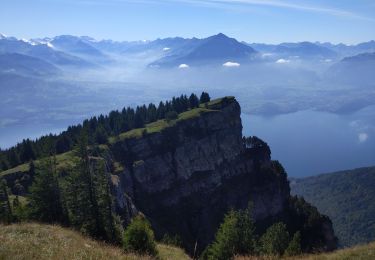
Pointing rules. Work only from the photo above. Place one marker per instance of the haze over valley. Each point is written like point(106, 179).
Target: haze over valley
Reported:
point(317, 90)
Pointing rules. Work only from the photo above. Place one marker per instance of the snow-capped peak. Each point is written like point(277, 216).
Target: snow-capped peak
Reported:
point(28, 41)
point(3, 36)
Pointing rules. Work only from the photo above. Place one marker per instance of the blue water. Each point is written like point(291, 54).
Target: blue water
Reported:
point(311, 142)
point(305, 142)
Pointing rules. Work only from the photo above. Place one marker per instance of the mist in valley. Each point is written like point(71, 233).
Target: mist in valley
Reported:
point(277, 92)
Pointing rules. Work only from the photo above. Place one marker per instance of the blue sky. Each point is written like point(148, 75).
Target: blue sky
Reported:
point(269, 21)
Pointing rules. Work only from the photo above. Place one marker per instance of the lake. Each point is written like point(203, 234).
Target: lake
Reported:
point(305, 142)
point(312, 142)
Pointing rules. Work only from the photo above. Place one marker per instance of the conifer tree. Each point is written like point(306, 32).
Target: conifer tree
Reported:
point(6, 216)
point(275, 240)
point(205, 97)
point(193, 101)
point(45, 195)
point(294, 247)
point(236, 235)
point(79, 192)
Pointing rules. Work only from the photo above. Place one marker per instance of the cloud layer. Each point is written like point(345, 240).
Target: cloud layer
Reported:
point(231, 64)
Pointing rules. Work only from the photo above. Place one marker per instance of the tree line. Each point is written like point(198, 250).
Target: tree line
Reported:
point(98, 129)
point(82, 199)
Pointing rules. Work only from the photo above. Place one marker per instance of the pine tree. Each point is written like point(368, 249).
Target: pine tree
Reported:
point(6, 216)
point(205, 97)
point(45, 194)
point(193, 101)
point(104, 201)
point(294, 247)
point(236, 235)
point(79, 193)
point(275, 240)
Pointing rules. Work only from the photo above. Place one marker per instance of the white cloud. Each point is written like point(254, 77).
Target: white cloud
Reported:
point(231, 64)
point(282, 61)
point(327, 60)
point(265, 55)
point(166, 49)
point(183, 66)
point(362, 137)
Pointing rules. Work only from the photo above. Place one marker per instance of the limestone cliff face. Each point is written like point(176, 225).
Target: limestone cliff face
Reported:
point(185, 177)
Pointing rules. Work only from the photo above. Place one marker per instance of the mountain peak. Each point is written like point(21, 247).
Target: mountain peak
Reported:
point(219, 36)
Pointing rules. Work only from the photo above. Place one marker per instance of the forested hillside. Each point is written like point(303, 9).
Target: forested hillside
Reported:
point(347, 197)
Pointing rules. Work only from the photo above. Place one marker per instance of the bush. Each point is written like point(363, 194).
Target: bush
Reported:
point(275, 240)
point(235, 236)
point(294, 247)
point(171, 115)
point(139, 237)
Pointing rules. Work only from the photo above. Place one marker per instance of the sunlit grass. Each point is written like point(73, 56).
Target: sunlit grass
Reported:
point(37, 241)
point(363, 252)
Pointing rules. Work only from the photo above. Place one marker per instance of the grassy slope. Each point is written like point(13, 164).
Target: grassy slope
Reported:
point(347, 197)
point(65, 159)
point(364, 252)
point(37, 241)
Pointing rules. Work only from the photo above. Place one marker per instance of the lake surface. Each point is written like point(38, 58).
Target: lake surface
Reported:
point(305, 142)
point(312, 142)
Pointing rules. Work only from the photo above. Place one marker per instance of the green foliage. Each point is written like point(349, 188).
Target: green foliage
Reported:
point(98, 129)
point(347, 197)
point(236, 235)
point(87, 197)
point(275, 240)
point(6, 216)
point(294, 247)
point(20, 210)
point(45, 198)
point(171, 115)
point(139, 237)
point(205, 97)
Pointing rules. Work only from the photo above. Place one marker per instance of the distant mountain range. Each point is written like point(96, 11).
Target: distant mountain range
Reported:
point(85, 52)
point(347, 197)
point(218, 48)
point(358, 69)
point(26, 65)
point(296, 50)
point(42, 50)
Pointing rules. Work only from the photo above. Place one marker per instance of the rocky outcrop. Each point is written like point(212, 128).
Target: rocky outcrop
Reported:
point(185, 177)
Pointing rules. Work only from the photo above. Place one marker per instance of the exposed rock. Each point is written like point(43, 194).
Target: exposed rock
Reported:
point(187, 176)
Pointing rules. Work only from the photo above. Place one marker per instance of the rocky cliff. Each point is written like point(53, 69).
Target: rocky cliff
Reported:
point(184, 175)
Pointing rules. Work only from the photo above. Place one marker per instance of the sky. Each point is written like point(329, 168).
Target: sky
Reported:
point(266, 21)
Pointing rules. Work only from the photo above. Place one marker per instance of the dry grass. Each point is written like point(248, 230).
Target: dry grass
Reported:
point(37, 241)
point(363, 252)
point(171, 253)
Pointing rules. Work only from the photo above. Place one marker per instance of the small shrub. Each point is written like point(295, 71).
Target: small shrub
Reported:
point(294, 247)
point(139, 237)
point(171, 115)
point(275, 240)
point(236, 235)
